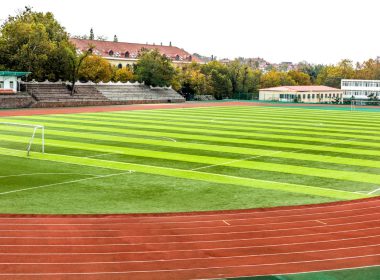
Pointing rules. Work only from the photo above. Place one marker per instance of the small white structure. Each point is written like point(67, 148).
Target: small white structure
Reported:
point(307, 94)
point(9, 81)
point(360, 89)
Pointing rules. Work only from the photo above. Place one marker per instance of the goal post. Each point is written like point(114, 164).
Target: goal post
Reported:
point(357, 103)
point(27, 140)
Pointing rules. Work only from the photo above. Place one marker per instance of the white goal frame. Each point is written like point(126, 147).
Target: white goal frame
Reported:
point(35, 127)
point(361, 103)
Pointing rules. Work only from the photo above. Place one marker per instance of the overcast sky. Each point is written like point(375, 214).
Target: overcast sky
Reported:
point(323, 31)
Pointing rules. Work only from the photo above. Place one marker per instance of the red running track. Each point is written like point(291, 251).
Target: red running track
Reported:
point(197, 245)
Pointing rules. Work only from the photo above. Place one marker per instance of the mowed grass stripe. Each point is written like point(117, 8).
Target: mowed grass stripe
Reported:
point(232, 129)
point(207, 160)
point(286, 118)
point(259, 120)
point(219, 128)
point(342, 117)
point(188, 174)
point(243, 152)
point(195, 136)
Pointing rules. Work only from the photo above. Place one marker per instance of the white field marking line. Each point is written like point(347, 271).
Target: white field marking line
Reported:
point(196, 234)
point(68, 182)
point(191, 269)
point(190, 259)
point(321, 222)
point(289, 273)
point(100, 155)
point(374, 191)
point(58, 173)
point(325, 225)
point(270, 154)
point(177, 250)
point(207, 221)
point(214, 174)
point(168, 138)
point(248, 212)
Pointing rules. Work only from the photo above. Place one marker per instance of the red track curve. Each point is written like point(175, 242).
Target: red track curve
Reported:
point(195, 245)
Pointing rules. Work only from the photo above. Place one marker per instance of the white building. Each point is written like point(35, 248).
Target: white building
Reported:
point(306, 94)
point(360, 89)
point(9, 81)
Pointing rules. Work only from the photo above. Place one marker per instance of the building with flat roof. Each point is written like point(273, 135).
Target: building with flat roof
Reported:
point(122, 54)
point(10, 81)
point(360, 89)
point(306, 94)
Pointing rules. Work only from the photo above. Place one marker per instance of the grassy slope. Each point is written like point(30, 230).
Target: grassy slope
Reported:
point(292, 156)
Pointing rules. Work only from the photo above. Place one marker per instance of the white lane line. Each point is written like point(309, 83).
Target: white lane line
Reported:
point(218, 241)
point(193, 234)
point(299, 263)
point(321, 222)
point(176, 250)
point(270, 154)
point(202, 221)
point(68, 182)
point(190, 228)
point(226, 223)
point(247, 212)
point(187, 259)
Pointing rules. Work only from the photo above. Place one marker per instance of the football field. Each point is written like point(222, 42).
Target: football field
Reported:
point(189, 159)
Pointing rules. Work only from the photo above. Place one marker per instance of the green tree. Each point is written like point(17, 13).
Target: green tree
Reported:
point(300, 78)
point(123, 75)
point(333, 74)
point(192, 81)
point(95, 68)
point(154, 69)
point(274, 78)
point(218, 80)
point(35, 42)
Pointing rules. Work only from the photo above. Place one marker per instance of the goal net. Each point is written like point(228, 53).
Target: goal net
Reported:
point(19, 136)
point(361, 104)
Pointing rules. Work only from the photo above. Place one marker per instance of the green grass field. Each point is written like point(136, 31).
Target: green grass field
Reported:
point(189, 159)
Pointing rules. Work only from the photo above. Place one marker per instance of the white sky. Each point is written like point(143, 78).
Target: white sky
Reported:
point(323, 31)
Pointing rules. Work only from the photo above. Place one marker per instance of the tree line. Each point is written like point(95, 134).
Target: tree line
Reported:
point(35, 42)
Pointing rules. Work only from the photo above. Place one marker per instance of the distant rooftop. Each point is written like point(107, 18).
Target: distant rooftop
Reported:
point(108, 49)
point(14, 73)
point(300, 88)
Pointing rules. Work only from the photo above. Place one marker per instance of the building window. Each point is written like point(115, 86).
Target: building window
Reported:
point(110, 52)
point(120, 66)
point(303, 96)
point(1, 84)
point(11, 84)
point(313, 96)
point(126, 55)
point(308, 96)
point(177, 57)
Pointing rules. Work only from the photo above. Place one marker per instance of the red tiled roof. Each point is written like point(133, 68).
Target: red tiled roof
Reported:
point(301, 88)
point(119, 49)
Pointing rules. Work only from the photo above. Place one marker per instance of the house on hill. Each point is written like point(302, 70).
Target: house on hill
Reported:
point(122, 54)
